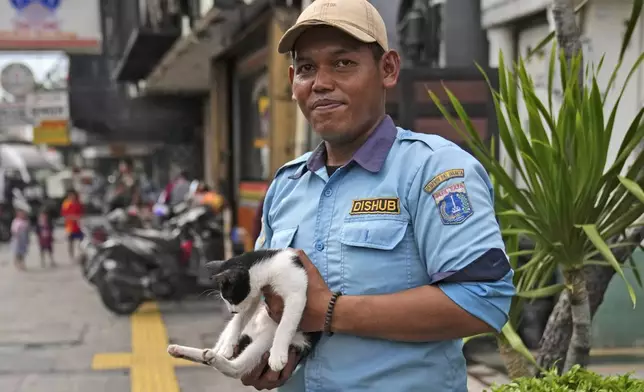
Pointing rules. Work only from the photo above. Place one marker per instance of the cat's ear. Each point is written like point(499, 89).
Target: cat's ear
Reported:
point(214, 267)
point(220, 280)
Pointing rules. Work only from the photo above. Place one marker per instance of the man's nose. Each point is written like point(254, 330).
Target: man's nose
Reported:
point(323, 80)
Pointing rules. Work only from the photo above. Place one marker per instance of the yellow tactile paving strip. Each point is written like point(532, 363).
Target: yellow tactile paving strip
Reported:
point(151, 368)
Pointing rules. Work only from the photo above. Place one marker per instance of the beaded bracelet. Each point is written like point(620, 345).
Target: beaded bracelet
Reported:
point(329, 312)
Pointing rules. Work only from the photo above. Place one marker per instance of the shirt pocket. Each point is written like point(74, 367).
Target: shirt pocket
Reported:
point(283, 238)
point(375, 256)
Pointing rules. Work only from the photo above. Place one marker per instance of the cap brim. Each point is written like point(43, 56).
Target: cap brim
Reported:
point(289, 38)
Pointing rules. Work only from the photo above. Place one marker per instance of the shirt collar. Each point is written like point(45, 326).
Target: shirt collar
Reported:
point(371, 155)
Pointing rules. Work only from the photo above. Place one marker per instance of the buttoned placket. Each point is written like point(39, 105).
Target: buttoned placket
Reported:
point(322, 247)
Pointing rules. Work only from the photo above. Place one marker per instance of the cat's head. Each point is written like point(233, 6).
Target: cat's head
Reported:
point(234, 287)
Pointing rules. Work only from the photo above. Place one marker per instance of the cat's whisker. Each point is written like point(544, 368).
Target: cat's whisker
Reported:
point(208, 293)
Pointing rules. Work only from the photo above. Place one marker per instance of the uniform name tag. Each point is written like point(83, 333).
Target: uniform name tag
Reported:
point(377, 205)
point(442, 177)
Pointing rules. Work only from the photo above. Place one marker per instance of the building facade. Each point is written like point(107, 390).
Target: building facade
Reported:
point(105, 98)
point(515, 27)
point(226, 54)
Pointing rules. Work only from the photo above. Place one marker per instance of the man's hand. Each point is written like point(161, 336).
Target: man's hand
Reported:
point(262, 377)
point(318, 296)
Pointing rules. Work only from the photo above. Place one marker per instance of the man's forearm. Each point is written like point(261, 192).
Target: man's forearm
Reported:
point(416, 315)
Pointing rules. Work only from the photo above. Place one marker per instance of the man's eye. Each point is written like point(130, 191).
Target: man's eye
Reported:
point(343, 63)
point(304, 68)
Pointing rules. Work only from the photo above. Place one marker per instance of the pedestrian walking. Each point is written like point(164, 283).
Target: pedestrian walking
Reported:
point(72, 212)
point(396, 229)
point(45, 232)
point(20, 238)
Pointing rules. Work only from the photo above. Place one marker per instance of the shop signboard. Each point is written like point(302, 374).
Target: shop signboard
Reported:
point(49, 111)
point(73, 26)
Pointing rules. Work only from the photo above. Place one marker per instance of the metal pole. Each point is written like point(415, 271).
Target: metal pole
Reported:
point(465, 40)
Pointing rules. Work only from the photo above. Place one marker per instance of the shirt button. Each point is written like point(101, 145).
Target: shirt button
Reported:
point(319, 246)
point(328, 192)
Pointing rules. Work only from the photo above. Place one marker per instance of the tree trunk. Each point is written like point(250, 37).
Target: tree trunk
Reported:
point(567, 32)
point(556, 337)
point(579, 347)
point(515, 363)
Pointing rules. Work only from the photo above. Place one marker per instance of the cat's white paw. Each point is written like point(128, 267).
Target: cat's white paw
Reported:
point(277, 360)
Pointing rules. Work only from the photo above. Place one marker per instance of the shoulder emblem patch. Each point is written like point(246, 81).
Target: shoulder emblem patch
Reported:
point(453, 204)
point(442, 177)
point(376, 205)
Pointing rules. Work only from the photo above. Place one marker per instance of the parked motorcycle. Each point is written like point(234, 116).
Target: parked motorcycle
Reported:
point(141, 264)
point(6, 216)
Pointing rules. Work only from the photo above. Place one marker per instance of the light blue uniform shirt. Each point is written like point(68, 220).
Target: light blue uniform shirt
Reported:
point(409, 210)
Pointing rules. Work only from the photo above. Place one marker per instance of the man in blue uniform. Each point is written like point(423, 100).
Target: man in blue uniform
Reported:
point(396, 229)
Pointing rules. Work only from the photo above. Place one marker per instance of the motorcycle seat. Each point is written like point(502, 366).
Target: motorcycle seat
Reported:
point(157, 236)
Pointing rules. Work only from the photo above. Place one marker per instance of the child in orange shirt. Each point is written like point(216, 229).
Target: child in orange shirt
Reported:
point(72, 211)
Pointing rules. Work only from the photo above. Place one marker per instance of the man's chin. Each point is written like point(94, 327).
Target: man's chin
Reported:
point(331, 134)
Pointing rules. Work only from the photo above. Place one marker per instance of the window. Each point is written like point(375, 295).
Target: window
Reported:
point(254, 126)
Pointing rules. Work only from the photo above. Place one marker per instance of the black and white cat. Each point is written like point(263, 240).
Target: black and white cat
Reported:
point(240, 281)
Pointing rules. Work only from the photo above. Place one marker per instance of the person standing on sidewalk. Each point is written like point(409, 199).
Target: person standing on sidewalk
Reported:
point(45, 232)
point(72, 211)
point(396, 229)
point(20, 237)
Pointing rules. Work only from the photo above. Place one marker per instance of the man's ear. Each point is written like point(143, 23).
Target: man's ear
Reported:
point(291, 75)
point(390, 68)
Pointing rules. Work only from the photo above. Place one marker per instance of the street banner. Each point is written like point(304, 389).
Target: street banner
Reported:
point(73, 26)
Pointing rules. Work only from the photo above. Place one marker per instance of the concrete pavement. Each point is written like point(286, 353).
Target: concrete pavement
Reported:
point(56, 336)
point(53, 325)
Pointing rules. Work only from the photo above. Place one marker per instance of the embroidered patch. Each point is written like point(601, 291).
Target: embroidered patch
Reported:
point(377, 205)
point(442, 177)
point(453, 204)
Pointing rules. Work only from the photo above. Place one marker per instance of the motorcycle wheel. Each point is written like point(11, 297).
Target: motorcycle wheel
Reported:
point(117, 302)
point(163, 290)
point(5, 233)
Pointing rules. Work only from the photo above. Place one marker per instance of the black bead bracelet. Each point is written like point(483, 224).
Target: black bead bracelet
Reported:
point(329, 312)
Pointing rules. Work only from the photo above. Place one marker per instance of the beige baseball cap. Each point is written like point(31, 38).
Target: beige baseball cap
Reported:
point(357, 18)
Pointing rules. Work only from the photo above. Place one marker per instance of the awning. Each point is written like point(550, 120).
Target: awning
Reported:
point(145, 48)
point(185, 68)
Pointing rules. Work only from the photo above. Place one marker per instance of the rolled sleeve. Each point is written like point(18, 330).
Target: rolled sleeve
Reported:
point(452, 205)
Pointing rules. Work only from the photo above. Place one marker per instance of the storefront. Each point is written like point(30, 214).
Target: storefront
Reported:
point(251, 116)
point(251, 125)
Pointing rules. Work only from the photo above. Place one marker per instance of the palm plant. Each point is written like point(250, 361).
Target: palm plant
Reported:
point(518, 360)
point(574, 200)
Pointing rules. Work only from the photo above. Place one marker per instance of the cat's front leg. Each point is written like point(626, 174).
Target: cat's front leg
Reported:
point(293, 308)
point(223, 336)
point(228, 339)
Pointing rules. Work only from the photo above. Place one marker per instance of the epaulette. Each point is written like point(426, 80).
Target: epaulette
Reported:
point(295, 162)
point(432, 141)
